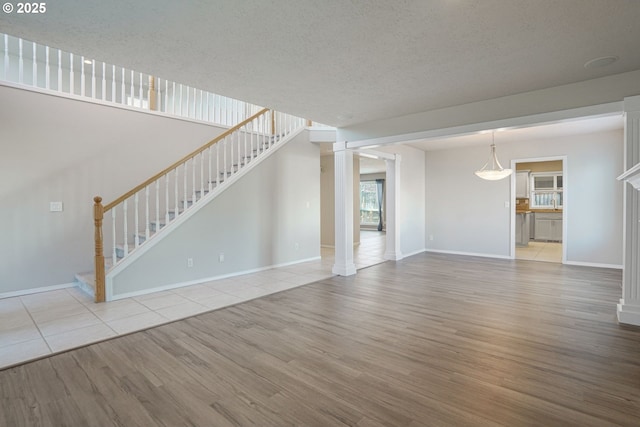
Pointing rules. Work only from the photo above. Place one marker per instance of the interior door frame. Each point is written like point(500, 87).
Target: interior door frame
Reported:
point(565, 201)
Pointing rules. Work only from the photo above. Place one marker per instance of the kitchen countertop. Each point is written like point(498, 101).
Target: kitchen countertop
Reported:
point(547, 210)
point(522, 212)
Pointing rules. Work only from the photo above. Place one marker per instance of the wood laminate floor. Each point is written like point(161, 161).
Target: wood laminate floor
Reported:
point(433, 340)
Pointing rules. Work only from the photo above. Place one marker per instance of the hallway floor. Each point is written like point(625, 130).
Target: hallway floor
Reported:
point(541, 251)
point(37, 325)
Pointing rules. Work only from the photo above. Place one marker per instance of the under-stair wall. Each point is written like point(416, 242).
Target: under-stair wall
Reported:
point(60, 149)
point(269, 217)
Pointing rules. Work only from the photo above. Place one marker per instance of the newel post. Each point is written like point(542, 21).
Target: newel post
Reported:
point(273, 122)
point(98, 213)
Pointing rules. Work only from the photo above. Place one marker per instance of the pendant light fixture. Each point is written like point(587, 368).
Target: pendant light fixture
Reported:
point(493, 170)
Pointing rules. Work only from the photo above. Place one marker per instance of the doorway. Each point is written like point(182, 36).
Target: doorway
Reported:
point(539, 209)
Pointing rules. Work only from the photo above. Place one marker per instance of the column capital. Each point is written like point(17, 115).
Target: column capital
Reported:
point(339, 146)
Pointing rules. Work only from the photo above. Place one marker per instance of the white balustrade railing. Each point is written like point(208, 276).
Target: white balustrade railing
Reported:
point(137, 216)
point(38, 66)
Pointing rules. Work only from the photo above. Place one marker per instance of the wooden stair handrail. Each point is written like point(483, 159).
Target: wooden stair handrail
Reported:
point(166, 170)
point(99, 209)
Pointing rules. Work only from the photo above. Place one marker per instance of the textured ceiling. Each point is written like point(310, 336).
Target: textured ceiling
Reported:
point(343, 62)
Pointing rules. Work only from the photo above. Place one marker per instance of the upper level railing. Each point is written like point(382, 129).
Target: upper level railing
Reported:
point(27, 63)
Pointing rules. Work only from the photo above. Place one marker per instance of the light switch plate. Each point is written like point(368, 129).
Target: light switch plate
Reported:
point(55, 206)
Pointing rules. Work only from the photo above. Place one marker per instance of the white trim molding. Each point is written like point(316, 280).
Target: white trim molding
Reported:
point(628, 309)
point(37, 290)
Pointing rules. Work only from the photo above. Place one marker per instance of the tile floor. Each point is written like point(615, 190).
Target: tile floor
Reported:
point(36, 325)
point(541, 251)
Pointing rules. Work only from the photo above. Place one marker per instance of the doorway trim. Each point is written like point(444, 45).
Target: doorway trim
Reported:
point(565, 201)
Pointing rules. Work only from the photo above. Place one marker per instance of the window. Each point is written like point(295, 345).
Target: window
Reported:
point(369, 214)
point(546, 190)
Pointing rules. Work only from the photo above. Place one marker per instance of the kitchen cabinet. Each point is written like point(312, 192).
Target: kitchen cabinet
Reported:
point(548, 226)
point(522, 228)
point(522, 184)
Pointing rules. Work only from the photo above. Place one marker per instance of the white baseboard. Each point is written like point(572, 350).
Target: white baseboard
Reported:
point(208, 279)
point(440, 251)
point(628, 314)
point(414, 253)
point(36, 290)
point(594, 264)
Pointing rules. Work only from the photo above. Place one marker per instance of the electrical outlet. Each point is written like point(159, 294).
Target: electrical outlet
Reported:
point(431, 237)
point(221, 257)
point(55, 206)
point(189, 262)
point(506, 204)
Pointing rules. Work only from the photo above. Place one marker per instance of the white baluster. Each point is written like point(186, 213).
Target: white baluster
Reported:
point(210, 185)
point(184, 195)
point(113, 83)
point(147, 217)
point(225, 158)
point(72, 77)
point(113, 235)
point(47, 69)
point(216, 108)
point(173, 108)
point(132, 93)
point(180, 104)
point(202, 174)
point(231, 152)
point(166, 201)
point(82, 82)
point(20, 63)
point(140, 96)
point(6, 57)
point(157, 206)
point(34, 79)
point(218, 164)
point(246, 128)
point(193, 180)
point(166, 96)
point(59, 70)
point(251, 134)
point(104, 82)
point(195, 103)
point(177, 198)
point(125, 227)
point(123, 86)
point(239, 139)
point(206, 107)
point(201, 105)
point(93, 79)
point(136, 221)
point(188, 102)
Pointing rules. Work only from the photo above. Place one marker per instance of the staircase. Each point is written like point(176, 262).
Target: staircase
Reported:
point(146, 213)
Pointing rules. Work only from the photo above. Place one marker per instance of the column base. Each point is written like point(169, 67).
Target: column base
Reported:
point(628, 314)
point(344, 270)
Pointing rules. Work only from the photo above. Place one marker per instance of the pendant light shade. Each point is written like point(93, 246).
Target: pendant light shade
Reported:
point(493, 170)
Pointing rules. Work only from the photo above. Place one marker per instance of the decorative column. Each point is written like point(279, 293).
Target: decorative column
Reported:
point(629, 306)
point(344, 265)
point(393, 251)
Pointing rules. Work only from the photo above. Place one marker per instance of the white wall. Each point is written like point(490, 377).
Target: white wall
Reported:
point(270, 216)
point(59, 149)
point(466, 214)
